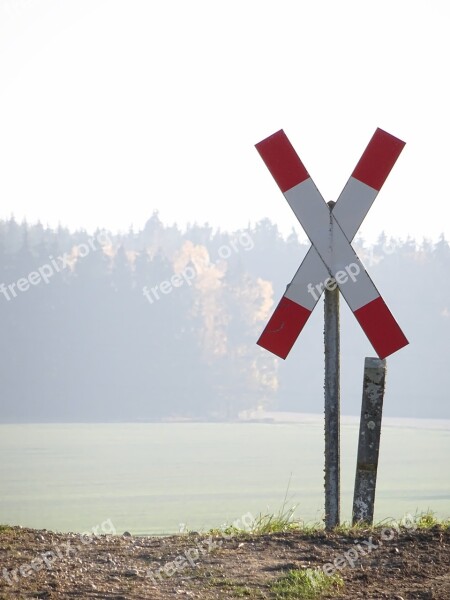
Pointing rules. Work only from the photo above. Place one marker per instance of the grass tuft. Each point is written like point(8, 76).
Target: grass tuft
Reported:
point(266, 523)
point(421, 520)
point(427, 520)
point(276, 523)
point(306, 583)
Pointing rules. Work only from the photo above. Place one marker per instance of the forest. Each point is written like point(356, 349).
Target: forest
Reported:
point(162, 323)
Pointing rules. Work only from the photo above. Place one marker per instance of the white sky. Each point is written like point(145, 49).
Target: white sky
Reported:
point(110, 109)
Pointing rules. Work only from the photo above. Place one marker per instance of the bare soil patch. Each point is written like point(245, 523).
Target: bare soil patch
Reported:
point(42, 564)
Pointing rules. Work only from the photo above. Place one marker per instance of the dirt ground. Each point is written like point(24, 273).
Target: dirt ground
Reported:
point(379, 563)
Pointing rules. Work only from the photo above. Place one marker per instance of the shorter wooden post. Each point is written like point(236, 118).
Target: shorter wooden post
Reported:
point(369, 440)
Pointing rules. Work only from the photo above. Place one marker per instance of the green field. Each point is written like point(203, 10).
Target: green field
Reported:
point(150, 478)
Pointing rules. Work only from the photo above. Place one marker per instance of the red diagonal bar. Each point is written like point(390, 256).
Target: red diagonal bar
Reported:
point(385, 340)
point(284, 327)
point(378, 159)
point(282, 160)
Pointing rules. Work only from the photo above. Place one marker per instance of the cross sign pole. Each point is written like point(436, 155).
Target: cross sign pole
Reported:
point(331, 264)
point(331, 335)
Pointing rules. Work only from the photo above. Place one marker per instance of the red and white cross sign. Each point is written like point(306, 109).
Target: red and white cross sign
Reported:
point(331, 258)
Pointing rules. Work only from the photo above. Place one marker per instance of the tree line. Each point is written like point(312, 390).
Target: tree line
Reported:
point(162, 322)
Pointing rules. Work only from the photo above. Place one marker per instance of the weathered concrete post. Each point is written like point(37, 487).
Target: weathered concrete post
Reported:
point(332, 401)
point(369, 440)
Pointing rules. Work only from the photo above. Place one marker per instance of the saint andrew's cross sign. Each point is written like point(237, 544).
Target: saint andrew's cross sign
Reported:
point(331, 258)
